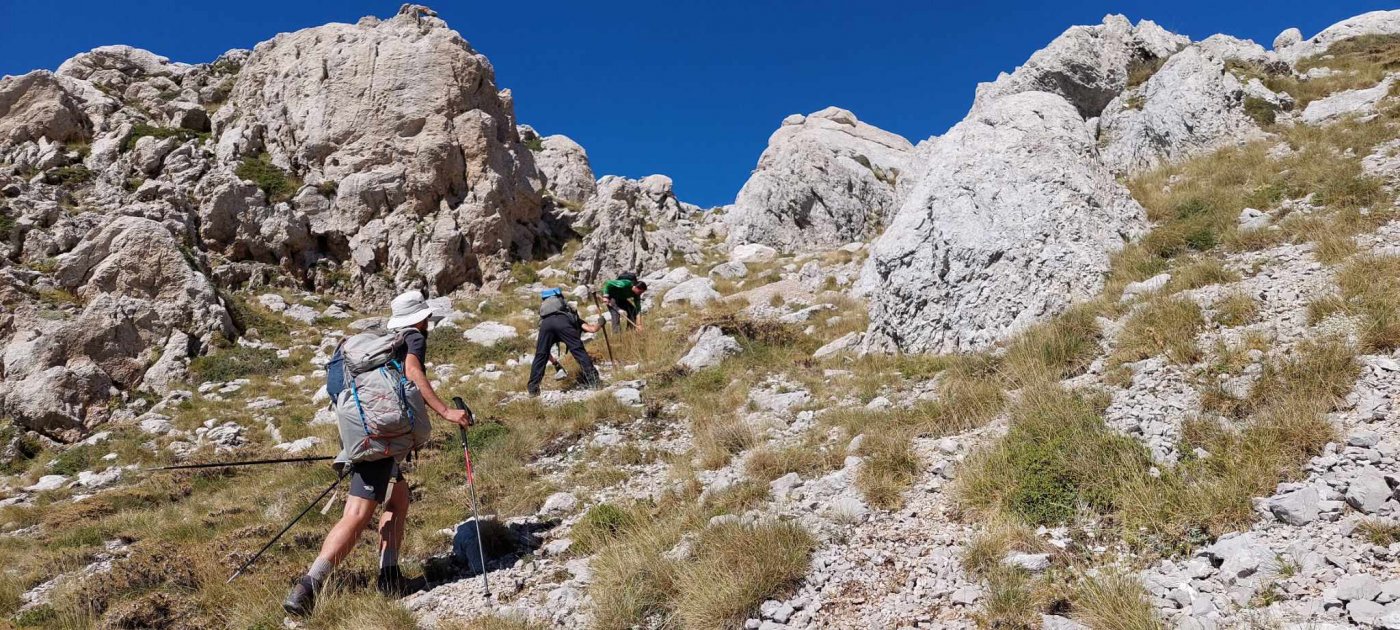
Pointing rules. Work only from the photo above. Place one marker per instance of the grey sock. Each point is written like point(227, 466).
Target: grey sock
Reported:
point(388, 558)
point(319, 570)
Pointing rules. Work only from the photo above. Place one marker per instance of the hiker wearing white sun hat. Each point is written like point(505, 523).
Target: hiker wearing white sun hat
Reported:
point(380, 481)
point(409, 309)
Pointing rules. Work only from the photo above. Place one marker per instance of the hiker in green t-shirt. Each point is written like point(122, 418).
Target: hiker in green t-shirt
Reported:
point(624, 297)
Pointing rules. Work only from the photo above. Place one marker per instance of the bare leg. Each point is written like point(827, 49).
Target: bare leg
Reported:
point(391, 523)
point(342, 538)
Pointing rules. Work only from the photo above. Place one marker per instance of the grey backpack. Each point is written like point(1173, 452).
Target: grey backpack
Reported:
point(380, 412)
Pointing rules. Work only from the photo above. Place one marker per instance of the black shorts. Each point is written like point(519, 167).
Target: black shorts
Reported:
point(370, 480)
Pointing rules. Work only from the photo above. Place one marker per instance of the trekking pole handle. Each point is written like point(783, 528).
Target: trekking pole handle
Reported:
point(462, 404)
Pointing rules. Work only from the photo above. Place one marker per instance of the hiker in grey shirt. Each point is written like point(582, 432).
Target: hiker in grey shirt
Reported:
point(379, 481)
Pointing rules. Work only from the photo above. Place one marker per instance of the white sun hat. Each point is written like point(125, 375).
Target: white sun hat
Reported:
point(409, 309)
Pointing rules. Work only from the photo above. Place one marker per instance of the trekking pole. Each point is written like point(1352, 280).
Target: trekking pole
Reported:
point(289, 526)
point(255, 462)
point(471, 483)
point(604, 325)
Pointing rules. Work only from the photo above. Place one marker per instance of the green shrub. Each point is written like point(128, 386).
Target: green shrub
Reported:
point(1140, 70)
point(600, 525)
point(1262, 111)
point(275, 182)
point(141, 130)
point(72, 461)
point(327, 188)
point(534, 143)
point(235, 362)
point(7, 224)
point(1057, 458)
point(73, 175)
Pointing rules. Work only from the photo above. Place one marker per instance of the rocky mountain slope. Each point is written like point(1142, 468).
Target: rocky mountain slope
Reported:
point(1118, 350)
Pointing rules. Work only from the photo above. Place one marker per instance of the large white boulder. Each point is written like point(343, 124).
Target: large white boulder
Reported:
point(632, 225)
point(1190, 106)
point(1086, 65)
point(433, 183)
point(1373, 23)
point(710, 349)
point(1361, 103)
point(41, 105)
point(826, 179)
point(1014, 218)
point(138, 292)
point(696, 292)
point(564, 165)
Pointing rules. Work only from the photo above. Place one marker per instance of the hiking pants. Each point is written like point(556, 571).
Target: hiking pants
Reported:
point(632, 310)
point(556, 329)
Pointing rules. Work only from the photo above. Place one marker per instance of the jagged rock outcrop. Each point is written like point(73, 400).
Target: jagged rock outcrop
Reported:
point(40, 105)
point(633, 225)
point(826, 179)
point(1373, 23)
point(1012, 219)
point(1192, 104)
point(1086, 65)
point(136, 291)
point(438, 189)
point(564, 165)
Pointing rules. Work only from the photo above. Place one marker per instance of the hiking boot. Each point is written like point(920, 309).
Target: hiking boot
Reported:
point(534, 393)
point(302, 598)
point(560, 374)
point(391, 582)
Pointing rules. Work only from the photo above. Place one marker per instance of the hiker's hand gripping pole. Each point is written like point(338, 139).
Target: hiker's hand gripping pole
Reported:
point(471, 484)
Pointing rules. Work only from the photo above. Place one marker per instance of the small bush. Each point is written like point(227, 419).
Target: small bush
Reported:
point(768, 463)
point(7, 224)
point(524, 273)
point(142, 130)
point(1263, 112)
point(1370, 290)
point(327, 188)
point(1140, 70)
point(600, 525)
point(275, 182)
point(890, 467)
point(1200, 273)
point(535, 144)
point(736, 568)
point(235, 362)
point(1057, 458)
point(72, 175)
point(70, 462)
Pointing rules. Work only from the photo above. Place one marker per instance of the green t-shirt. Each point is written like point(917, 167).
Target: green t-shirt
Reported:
point(620, 292)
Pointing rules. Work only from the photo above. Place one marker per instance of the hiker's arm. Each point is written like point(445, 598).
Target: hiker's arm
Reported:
point(413, 369)
point(587, 327)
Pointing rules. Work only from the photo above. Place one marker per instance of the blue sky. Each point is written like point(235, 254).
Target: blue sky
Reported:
point(688, 89)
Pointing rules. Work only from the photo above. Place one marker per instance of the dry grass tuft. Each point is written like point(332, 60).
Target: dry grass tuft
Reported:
point(767, 463)
point(1114, 600)
point(1200, 273)
point(889, 468)
point(736, 568)
point(1235, 309)
point(1166, 325)
point(1369, 288)
point(1378, 532)
point(1060, 348)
